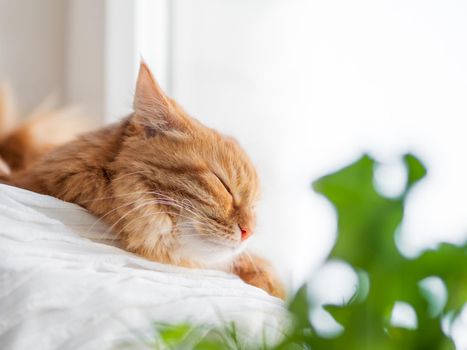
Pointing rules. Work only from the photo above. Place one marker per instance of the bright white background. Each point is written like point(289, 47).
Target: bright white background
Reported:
point(306, 86)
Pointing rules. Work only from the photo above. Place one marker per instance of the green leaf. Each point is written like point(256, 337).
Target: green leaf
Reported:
point(174, 334)
point(367, 224)
point(415, 170)
point(366, 220)
point(300, 306)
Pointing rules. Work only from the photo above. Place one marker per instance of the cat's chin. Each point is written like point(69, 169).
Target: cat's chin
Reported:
point(207, 253)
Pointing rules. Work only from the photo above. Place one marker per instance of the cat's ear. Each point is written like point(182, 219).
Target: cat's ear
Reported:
point(152, 107)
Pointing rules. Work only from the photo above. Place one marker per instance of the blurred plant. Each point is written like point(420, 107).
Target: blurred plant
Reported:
point(367, 227)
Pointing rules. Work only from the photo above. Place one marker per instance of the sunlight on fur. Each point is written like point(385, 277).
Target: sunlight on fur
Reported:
point(170, 188)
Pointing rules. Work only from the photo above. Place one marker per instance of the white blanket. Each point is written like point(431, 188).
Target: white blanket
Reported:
point(60, 288)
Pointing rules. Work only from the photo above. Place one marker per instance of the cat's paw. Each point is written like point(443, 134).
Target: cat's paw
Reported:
point(259, 273)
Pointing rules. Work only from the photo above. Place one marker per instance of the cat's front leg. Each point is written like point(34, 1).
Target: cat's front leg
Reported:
point(259, 273)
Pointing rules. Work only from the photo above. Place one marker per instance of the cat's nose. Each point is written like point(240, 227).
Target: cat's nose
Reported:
point(244, 232)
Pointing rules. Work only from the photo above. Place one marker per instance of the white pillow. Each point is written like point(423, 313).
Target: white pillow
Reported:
point(62, 286)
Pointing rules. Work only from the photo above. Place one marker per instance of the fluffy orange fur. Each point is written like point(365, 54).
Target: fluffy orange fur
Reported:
point(41, 131)
point(171, 189)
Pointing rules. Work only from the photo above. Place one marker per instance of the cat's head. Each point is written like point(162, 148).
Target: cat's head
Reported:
point(192, 190)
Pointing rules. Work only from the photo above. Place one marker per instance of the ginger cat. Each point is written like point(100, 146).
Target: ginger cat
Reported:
point(172, 189)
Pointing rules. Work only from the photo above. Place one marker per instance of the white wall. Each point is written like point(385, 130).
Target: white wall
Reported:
point(84, 52)
point(32, 48)
point(106, 41)
point(85, 56)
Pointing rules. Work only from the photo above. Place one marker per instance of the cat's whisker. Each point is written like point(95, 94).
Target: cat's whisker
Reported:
point(109, 212)
point(142, 204)
point(196, 226)
point(117, 234)
point(115, 196)
point(205, 228)
point(119, 196)
point(172, 201)
point(115, 209)
point(127, 213)
point(222, 234)
point(219, 227)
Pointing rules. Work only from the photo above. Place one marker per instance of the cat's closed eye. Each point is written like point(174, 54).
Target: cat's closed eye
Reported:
point(227, 188)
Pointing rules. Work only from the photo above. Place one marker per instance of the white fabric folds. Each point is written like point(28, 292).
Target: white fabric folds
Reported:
point(63, 287)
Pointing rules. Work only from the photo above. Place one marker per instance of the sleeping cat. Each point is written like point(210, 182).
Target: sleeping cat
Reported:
point(171, 189)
